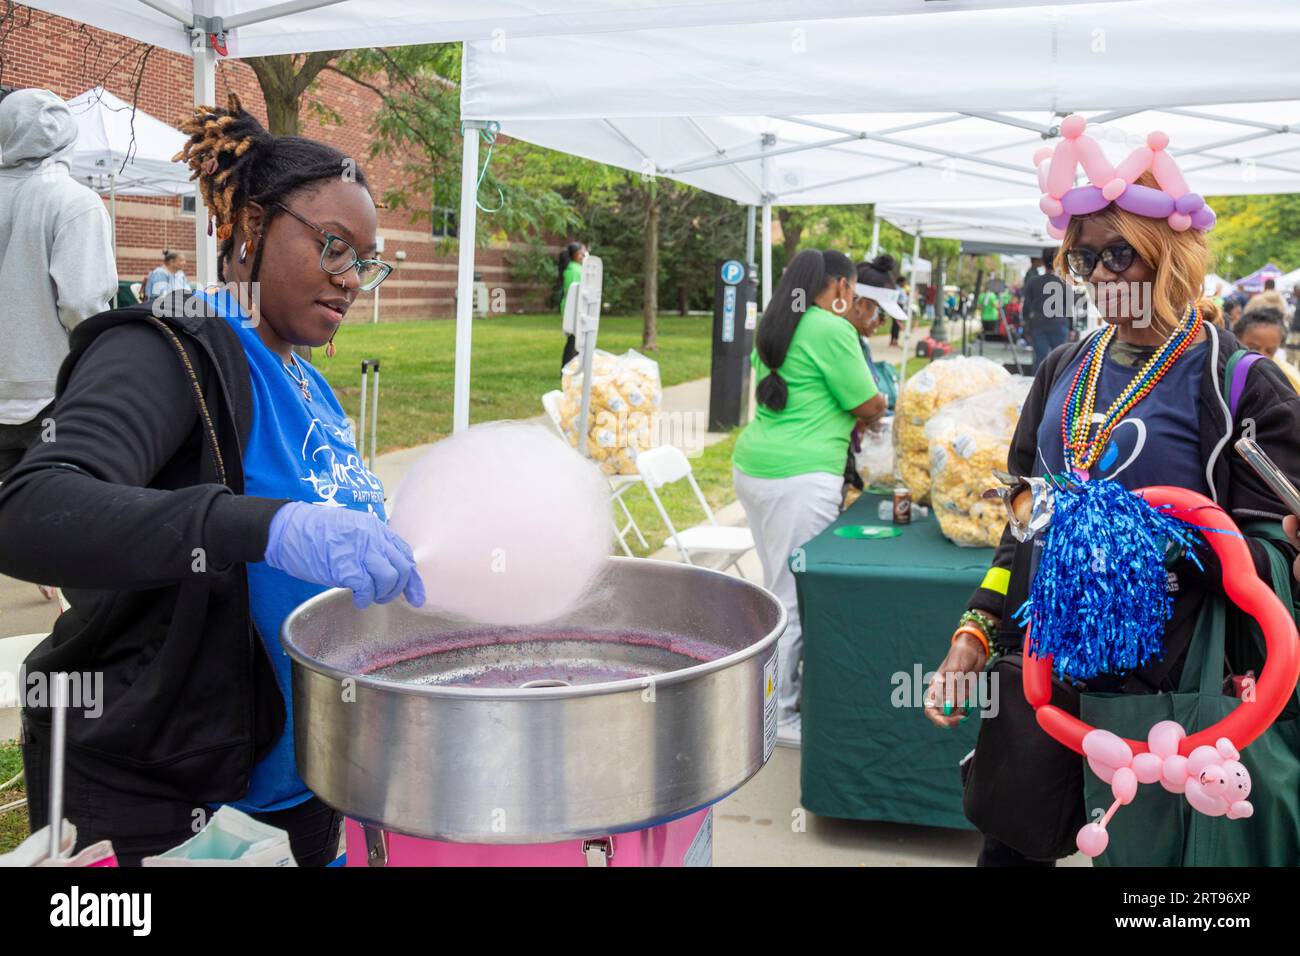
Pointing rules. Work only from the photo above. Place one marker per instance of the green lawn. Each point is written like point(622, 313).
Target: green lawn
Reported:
point(13, 823)
point(515, 360)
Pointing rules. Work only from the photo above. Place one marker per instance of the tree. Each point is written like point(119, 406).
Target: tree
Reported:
point(1254, 230)
point(284, 78)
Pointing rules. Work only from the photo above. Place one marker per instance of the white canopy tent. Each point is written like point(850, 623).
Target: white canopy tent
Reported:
point(125, 151)
point(206, 29)
point(1016, 225)
point(805, 101)
point(259, 28)
point(1285, 283)
point(880, 110)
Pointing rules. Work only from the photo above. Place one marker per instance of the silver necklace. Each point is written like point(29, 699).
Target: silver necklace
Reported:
point(299, 376)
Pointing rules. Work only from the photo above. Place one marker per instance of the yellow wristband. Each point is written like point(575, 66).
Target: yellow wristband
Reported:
point(997, 580)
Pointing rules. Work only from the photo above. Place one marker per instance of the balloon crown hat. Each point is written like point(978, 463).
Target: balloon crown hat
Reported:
point(1173, 201)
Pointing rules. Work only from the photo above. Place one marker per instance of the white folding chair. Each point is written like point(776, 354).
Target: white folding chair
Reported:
point(13, 651)
point(618, 484)
point(667, 464)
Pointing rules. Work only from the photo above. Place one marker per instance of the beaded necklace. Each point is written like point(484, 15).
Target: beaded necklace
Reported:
point(1082, 448)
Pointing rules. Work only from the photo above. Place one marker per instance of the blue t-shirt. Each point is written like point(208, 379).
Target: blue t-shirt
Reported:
point(1157, 443)
point(305, 451)
point(161, 282)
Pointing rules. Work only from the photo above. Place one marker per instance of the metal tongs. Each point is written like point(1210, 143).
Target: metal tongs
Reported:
point(1042, 501)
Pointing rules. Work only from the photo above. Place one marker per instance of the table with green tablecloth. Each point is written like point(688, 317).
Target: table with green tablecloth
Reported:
point(878, 614)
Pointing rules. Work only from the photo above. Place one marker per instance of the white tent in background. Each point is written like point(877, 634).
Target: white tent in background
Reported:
point(1284, 283)
point(1216, 285)
point(125, 150)
point(1010, 226)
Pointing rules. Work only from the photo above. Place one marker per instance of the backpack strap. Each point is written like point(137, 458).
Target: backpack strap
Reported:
point(196, 338)
point(1234, 377)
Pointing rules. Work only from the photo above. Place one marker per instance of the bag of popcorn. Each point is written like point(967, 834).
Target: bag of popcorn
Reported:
point(936, 386)
point(968, 440)
point(624, 415)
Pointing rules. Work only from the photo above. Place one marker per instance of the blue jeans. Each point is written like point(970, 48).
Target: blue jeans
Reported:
point(1044, 338)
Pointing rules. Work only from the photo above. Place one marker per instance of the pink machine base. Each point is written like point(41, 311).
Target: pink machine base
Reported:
point(684, 842)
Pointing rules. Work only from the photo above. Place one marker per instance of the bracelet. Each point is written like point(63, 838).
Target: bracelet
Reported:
point(976, 633)
point(980, 620)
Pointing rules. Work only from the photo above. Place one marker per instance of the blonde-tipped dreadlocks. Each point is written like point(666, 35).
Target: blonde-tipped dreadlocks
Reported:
point(237, 162)
point(221, 141)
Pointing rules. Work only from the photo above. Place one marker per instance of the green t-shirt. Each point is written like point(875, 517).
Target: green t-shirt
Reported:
point(572, 276)
point(826, 375)
point(989, 306)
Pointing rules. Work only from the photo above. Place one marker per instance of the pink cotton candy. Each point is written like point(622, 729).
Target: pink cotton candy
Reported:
point(508, 523)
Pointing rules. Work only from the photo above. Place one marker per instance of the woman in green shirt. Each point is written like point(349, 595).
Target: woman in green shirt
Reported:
point(813, 389)
point(570, 275)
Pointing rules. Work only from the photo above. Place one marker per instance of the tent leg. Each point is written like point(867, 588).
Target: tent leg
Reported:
point(112, 204)
point(749, 235)
point(911, 300)
point(205, 93)
point(767, 142)
point(767, 253)
point(465, 270)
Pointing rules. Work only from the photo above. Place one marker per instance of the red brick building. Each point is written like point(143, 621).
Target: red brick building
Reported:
point(40, 50)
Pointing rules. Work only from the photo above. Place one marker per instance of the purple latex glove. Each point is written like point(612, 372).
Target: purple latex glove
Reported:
point(341, 548)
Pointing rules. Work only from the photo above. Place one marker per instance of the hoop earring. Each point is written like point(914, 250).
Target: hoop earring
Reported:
point(243, 251)
point(329, 347)
point(839, 307)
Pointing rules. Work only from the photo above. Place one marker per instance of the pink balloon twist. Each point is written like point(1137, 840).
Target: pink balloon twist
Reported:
point(1212, 779)
point(1057, 168)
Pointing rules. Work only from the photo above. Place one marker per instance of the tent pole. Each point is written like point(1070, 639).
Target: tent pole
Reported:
point(911, 300)
point(767, 142)
point(112, 204)
point(465, 229)
point(875, 238)
point(767, 252)
point(205, 92)
point(750, 215)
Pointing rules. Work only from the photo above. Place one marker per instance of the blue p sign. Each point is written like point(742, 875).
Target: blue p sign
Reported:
point(733, 272)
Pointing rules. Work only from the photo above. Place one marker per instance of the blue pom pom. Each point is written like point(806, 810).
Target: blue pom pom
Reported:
point(1099, 600)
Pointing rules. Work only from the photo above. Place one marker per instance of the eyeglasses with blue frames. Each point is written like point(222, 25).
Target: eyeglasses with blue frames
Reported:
point(338, 255)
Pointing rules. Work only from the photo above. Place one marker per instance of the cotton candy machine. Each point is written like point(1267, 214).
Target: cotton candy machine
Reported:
point(631, 715)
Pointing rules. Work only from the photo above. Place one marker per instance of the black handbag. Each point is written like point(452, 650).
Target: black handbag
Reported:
point(1020, 786)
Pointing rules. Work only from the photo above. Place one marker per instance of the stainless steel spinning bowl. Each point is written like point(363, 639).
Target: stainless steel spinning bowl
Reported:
point(422, 746)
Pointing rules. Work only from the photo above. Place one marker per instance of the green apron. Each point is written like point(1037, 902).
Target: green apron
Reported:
point(1160, 828)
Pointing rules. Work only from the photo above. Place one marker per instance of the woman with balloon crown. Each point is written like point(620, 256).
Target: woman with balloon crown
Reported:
point(1108, 584)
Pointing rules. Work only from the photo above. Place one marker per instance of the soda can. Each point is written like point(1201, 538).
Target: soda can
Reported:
point(902, 505)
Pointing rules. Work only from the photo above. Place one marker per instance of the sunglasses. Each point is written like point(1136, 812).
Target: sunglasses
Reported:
point(338, 256)
point(1117, 258)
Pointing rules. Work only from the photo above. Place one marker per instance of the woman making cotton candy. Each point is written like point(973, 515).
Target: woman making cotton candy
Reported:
point(813, 389)
point(1145, 400)
point(203, 483)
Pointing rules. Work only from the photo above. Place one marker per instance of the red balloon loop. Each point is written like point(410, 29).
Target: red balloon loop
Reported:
point(1277, 679)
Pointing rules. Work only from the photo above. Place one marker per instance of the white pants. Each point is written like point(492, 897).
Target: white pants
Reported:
point(784, 514)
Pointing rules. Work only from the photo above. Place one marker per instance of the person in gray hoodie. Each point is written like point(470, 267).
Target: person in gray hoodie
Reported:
point(56, 262)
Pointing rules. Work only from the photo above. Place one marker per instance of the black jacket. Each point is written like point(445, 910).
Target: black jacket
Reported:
point(1049, 300)
point(1268, 403)
point(126, 511)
